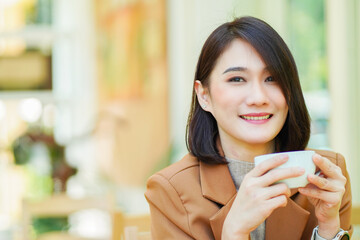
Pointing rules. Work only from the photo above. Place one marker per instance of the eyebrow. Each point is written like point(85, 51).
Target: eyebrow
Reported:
point(235, 69)
point(241, 69)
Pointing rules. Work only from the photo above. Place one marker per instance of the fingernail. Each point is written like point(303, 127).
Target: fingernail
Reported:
point(302, 189)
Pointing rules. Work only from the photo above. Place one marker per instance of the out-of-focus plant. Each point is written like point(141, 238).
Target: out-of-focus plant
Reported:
point(26, 151)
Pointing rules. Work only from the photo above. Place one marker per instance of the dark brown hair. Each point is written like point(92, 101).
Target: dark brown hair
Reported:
point(202, 131)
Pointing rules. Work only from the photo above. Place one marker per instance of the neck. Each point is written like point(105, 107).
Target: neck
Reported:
point(244, 151)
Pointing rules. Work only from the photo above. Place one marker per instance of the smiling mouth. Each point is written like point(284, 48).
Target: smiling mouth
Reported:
point(256, 118)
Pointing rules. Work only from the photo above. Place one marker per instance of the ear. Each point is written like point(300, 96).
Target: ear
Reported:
point(203, 97)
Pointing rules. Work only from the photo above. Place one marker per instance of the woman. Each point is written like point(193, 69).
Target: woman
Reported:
point(247, 101)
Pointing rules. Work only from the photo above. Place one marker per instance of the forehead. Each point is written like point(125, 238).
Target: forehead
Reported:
point(239, 53)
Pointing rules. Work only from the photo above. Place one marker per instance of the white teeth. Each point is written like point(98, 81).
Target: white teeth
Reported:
point(256, 118)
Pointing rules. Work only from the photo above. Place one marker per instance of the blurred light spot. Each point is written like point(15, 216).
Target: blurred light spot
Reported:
point(48, 116)
point(13, 46)
point(30, 110)
point(8, 3)
point(5, 222)
point(2, 110)
point(90, 223)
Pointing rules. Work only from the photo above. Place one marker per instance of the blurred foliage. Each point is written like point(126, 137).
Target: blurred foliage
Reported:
point(37, 186)
point(307, 42)
point(23, 149)
point(44, 225)
point(23, 144)
point(38, 11)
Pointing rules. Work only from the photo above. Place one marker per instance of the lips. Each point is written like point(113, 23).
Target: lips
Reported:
point(256, 116)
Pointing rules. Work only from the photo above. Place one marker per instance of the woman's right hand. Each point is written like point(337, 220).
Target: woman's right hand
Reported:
point(258, 197)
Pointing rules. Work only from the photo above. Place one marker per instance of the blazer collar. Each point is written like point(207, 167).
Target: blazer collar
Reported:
point(218, 186)
point(216, 183)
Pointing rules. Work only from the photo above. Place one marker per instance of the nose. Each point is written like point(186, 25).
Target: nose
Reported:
point(257, 94)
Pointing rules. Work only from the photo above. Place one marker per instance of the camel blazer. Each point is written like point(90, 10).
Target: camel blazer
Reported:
point(190, 200)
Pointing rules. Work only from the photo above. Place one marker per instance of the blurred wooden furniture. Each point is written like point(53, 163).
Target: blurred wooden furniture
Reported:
point(131, 227)
point(61, 205)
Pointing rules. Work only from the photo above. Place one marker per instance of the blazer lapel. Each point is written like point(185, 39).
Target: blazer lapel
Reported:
point(217, 220)
point(217, 186)
point(287, 221)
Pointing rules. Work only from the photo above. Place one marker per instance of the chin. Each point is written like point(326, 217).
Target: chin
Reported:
point(260, 140)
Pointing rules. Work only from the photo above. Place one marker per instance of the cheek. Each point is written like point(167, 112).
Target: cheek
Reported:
point(279, 99)
point(284, 105)
point(220, 96)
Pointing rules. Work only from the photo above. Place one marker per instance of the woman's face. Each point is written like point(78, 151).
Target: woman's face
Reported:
point(247, 103)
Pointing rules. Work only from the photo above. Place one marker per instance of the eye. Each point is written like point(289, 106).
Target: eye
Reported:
point(270, 79)
point(236, 79)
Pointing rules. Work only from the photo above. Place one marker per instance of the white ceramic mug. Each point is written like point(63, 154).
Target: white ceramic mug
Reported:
point(301, 159)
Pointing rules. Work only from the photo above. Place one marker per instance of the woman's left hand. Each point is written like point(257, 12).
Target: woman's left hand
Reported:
point(325, 192)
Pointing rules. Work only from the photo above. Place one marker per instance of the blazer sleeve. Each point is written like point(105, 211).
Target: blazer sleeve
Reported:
point(169, 218)
point(346, 203)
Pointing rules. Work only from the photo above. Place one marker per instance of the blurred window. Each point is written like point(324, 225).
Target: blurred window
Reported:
point(306, 27)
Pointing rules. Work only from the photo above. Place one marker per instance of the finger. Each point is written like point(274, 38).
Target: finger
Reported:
point(270, 205)
point(277, 190)
point(330, 198)
point(269, 164)
point(326, 184)
point(327, 167)
point(280, 174)
point(276, 202)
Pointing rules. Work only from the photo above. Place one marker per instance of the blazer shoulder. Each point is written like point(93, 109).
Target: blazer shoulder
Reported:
point(187, 162)
point(335, 157)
